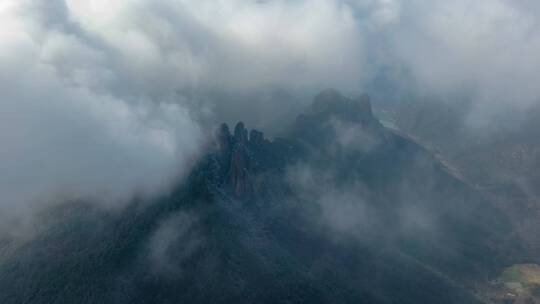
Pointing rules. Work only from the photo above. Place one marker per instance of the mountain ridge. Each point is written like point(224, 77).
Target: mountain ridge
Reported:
point(339, 210)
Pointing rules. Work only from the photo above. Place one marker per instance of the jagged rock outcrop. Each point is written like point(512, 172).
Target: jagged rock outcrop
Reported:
point(331, 112)
point(256, 138)
point(240, 154)
point(236, 157)
point(239, 175)
point(224, 142)
point(240, 134)
point(331, 103)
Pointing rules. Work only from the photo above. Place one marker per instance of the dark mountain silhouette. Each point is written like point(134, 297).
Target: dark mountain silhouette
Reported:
point(341, 210)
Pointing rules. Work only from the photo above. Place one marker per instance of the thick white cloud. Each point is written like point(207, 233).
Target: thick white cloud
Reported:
point(61, 138)
point(488, 46)
point(239, 44)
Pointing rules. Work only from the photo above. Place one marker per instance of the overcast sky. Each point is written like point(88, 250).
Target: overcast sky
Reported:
point(92, 99)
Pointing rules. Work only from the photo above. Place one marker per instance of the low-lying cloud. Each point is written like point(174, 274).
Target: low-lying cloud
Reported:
point(175, 241)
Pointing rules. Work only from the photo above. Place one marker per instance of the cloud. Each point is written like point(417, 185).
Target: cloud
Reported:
point(95, 96)
point(90, 105)
point(352, 137)
point(487, 46)
point(235, 44)
point(63, 138)
point(344, 208)
point(175, 241)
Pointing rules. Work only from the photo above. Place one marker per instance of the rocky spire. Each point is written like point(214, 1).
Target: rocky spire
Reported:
point(239, 175)
point(224, 139)
point(240, 133)
point(240, 161)
point(256, 138)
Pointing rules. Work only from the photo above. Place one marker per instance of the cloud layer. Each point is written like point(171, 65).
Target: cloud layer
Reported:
point(487, 46)
point(94, 94)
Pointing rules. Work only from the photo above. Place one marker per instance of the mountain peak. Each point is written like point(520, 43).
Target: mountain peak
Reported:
point(240, 133)
point(328, 100)
point(331, 102)
point(329, 93)
point(236, 156)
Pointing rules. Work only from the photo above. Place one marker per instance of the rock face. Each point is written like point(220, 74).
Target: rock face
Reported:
point(236, 157)
point(240, 134)
point(224, 140)
point(331, 103)
point(240, 163)
point(330, 112)
point(256, 138)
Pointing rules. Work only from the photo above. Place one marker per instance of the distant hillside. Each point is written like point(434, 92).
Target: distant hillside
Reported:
point(501, 159)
